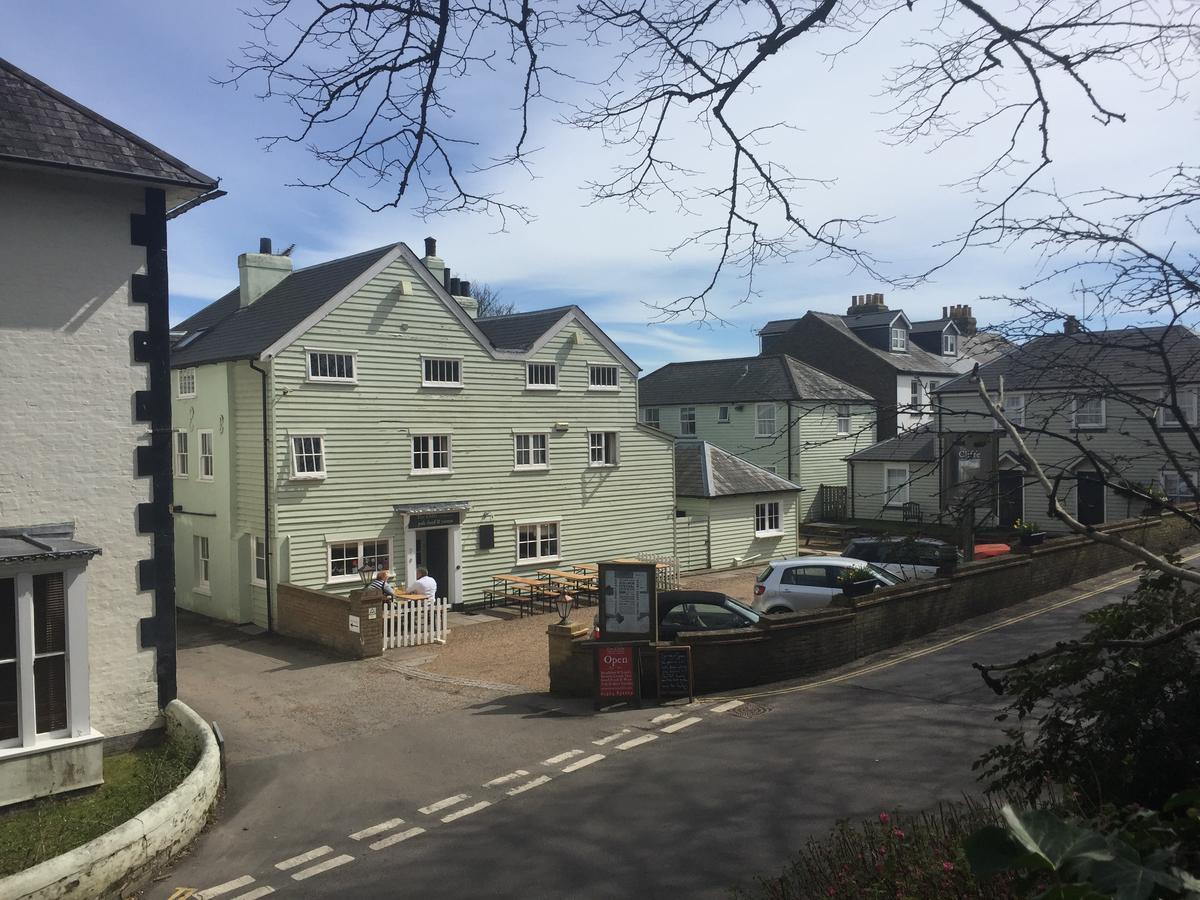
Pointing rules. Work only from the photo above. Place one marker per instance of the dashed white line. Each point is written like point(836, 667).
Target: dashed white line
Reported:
point(562, 757)
point(442, 804)
point(681, 724)
point(256, 893)
point(504, 779)
point(637, 741)
point(467, 810)
point(727, 706)
point(396, 838)
point(323, 867)
point(586, 761)
point(226, 887)
point(612, 737)
point(529, 785)
point(303, 858)
point(376, 829)
point(665, 717)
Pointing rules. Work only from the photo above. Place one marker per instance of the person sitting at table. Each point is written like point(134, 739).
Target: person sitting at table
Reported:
point(424, 584)
point(380, 582)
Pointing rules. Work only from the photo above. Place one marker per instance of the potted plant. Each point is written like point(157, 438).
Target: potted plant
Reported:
point(1154, 505)
point(1028, 533)
point(857, 581)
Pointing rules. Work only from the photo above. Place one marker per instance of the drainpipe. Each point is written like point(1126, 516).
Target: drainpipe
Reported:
point(789, 440)
point(851, 498)
point(266, 494)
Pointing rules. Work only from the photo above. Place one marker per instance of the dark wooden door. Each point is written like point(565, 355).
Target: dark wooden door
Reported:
point(1011, 500)
point(1089, 494)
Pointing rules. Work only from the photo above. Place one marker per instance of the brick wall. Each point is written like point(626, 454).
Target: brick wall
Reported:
point(806, 643)
point(324, 619)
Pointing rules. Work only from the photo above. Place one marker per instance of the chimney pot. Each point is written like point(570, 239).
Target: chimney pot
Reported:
point(455, 287)
point(446, 279)
point(1071, 325)
point(430, 246)
point(466, 289)
point(264, 245)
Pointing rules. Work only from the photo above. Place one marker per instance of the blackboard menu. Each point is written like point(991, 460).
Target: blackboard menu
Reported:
point(674, 672)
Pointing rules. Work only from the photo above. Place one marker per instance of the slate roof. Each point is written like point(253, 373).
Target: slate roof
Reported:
point(229, 331)
point(915, 359)
point(873, 320)
point(41, 126)
point(520, 331)
point(776, 376)
point(38, 542)
point(918, 445)
point(1121, 357)
point(705, 470)
point(932, 325)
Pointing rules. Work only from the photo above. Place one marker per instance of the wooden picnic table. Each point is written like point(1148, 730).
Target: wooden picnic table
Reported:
point(584, 585)
point(587, 567)
point(517, 589)
point(408, 596)
point(643, 561)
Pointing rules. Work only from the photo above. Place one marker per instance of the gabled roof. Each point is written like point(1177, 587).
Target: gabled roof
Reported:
point(520, 331)
point(918, 445)
point(705, 470)
point(776, 376)
point(914, 359)
point(1093, 360)
point(41, 126)
point(934, 325)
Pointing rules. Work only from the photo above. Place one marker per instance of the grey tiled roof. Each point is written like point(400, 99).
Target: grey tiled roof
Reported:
point(38, 542)
point(915, 359)
point(229, 331)
point(919, 445)
point(705, 470)
point(776, 376)
point(520, 331)
point(932, 325)
point(1093, 359)
point(41, 126)
point(872, 320)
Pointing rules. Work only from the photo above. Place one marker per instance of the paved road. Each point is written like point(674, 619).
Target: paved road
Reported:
point(521, 797)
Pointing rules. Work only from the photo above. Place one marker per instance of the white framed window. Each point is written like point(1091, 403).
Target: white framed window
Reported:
point(337, 366)
point(541, 376)
point(1088, 412)
point(774, 470)
point(930, 399)
point(203, 561)
point(441, 372)
point(308, 456)
point(259, 548)
point(895, 485)
point(1187, 405)
point(687, 420)
point(186, 383)
point(914, 394)
point(344, 558)
point(1014, 408)
point(652, 417)
point(537, 542)
point(530, 451)
point(722, 415)
point(602, 448)
point(207, 468)
point(899, 339)
point(603, 377)
point(843, 419)
point(767, 522)
point(181, 454)
point(949, 344)
point(764, 420)
point(431, 454)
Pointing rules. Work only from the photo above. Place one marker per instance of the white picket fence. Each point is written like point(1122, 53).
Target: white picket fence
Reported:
point(415, 622)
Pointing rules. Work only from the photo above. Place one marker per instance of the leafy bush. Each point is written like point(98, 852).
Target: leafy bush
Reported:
point(856, 573)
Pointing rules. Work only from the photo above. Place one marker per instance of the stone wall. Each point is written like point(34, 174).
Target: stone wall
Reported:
point(326, 619)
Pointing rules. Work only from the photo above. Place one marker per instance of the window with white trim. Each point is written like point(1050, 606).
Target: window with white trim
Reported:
point(187, 383)
point(541, 376)
point(206, 455)
point(949, 344)
point(766, 519)
point(530, 451)
point(899, 339)
point(602, 448)
point(1088, 412)
point(722, 415)
point(687, 420)
point(652, 417)
point(843, 419)
point(308, 456)
point(441, 372)
point(537, 542)
point(181, 454)
point(203, 560)
point(1186, 400)
point(1014, 408)
point(332, 365)
point(431, 454)
point(259, 547)
point(1175, 486)
point(914, 394)
point(764, 420)
point(895, 485)
point(603, 377)
point(346, 557)
point(930, 399)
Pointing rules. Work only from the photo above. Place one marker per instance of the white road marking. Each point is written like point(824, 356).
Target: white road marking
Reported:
point(529, 785)
point(467, 810)
point(504, 779)
point(727, 706)
point(612, 737)
point(376, 829)
point(442, 804)
point(323, 867)
point(637, 741)
point(586, 761)
point(562, 757)
point(665, 717)
point(303, 858)
point(681, 724)
point(396, 838)
point(226, 887)
point(491, 707)
point(256, 893)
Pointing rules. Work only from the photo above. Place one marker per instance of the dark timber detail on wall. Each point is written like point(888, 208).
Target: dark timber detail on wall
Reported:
point(152, 347)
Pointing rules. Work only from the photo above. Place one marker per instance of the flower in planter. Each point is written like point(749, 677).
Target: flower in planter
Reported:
point(858, 573)
point(1024, 527)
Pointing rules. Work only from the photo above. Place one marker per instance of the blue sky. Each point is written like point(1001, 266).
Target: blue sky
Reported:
point(149, 67)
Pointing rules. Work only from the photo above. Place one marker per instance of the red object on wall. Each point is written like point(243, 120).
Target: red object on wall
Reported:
point(984, 551)
point(615, 664)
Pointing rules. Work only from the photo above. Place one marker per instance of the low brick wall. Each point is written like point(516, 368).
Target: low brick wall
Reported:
point(326, 620)
point(791, 646)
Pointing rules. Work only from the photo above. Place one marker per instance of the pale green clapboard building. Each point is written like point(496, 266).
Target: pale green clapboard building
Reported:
point(399, 430)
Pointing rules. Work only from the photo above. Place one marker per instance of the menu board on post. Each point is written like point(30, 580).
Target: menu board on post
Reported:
point(674, 672)
point(628, 602)
point(617, 673)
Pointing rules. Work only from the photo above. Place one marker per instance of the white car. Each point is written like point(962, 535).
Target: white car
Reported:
point(810, 582)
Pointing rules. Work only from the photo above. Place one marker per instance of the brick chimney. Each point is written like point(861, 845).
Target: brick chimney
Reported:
point(431, 261)
point(861, 304)
point(1071, 325)
point(961, 314)
point(261, 271)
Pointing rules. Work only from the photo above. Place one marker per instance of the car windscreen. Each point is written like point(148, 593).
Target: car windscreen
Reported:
point(765, 574)
point(740, 608)
point(883, 574)
point(867, 551)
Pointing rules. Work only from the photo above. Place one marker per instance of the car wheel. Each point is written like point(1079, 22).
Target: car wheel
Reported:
point(775, 610)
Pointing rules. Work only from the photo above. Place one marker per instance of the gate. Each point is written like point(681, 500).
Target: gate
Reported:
point(415, 622)
point(833, 502)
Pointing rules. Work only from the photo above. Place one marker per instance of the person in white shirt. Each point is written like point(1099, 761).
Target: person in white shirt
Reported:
point(424, 584)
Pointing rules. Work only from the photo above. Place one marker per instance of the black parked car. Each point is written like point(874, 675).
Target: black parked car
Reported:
point(680, 611)
point(906, 557)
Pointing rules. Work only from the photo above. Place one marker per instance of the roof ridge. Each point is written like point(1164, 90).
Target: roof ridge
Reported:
point(531, 312)
point(339, 259)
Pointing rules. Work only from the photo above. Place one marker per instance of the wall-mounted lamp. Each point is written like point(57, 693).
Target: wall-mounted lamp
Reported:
point(562, 426)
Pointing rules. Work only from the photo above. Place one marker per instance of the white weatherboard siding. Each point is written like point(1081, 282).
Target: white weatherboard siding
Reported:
point(67, 452)
point(730, 523)
point(870, 501)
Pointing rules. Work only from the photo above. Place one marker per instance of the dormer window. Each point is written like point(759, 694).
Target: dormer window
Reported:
point(949, 344)
point(900, 339)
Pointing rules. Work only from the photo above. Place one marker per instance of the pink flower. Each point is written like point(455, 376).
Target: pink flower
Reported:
point(884, 818)
point(947, 867)
point(896, 832)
